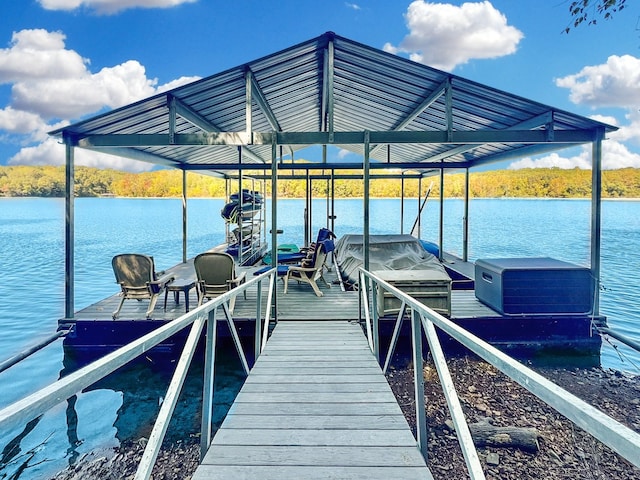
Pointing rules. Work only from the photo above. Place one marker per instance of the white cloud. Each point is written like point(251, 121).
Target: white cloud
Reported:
point(50, 152)
point(74, 97)
point(444, 35)
point(615, 83)
point(353, 6)
point(554, 160)
point(39, 55)
point(629, 132)
point(19, 121)
point(110, 6)
point(56, 83)
point(175, 84)
point(343, 152)
point(614, 155)
point(612, 84)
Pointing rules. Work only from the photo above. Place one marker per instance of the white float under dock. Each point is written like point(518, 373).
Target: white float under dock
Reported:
point(316, 405)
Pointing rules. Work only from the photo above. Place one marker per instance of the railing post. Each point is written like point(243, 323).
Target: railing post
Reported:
point(207, 393)
point(375, 320)
point(474, 468)
point(258, 333)
point(169, 403)
point(364, 295)
point(270, 296)
point(418, 382)
point(235, 337)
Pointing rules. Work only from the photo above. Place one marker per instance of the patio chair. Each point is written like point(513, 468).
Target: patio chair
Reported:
point(311, 271)
point(138, 279)
point(216, 275)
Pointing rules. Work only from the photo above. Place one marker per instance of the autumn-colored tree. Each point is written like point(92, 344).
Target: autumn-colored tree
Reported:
point(48, 181)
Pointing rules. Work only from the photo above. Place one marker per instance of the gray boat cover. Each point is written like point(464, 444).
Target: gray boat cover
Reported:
point(386, 252)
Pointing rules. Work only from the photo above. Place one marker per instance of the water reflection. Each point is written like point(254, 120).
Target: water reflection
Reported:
point(118, 409)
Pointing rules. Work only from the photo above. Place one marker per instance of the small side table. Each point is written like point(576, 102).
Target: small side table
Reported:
point(177, 286)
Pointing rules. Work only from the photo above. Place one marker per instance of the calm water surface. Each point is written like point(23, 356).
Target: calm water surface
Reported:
point(117, 409)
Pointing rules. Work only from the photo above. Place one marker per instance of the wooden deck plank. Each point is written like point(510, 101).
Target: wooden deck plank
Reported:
point(315, 405)
point(270, 369)
point(314, 397)
point(309, 437)
point(332, 456)
point(317, 409)
point(297, 422)
point(334, 354)
point(315, 387)
point(315, 379)
point(319, 361)
point(279, 472)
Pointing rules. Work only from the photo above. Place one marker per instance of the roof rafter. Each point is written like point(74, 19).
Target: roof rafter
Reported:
point(258, 96)
point(425, 104)
point(199, 121)
point(545, 119)
point(327, 88)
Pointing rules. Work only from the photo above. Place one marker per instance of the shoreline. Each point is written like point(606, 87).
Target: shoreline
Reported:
point(565, 451)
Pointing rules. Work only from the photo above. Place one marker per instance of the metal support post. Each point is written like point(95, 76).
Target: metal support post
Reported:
point(465, 225)
point(184, 216)
point(69, 238)
point(441, 229)
point(596, 217)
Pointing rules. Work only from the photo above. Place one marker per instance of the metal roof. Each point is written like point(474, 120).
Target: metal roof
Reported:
point(334, 91)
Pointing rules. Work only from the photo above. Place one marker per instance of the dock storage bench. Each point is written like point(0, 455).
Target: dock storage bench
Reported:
point(515, 286)
point(430, 287)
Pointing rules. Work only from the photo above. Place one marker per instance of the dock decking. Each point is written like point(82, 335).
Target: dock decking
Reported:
point(94, 329)
point(316, 405)
point(299, 303)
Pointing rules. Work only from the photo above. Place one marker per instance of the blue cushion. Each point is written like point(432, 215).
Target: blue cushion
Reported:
point(282, 270)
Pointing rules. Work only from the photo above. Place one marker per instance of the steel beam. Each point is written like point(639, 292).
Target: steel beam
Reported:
point(479, 137)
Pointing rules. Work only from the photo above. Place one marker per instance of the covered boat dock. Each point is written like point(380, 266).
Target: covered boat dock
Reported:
point(404, 119)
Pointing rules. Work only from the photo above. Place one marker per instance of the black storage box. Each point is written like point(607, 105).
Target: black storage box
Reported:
point(515, 286)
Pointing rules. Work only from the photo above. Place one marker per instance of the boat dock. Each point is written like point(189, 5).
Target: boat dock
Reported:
point(94, 329)
point(315, 405)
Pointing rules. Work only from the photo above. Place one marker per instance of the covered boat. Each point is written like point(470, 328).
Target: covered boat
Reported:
point(386, 252)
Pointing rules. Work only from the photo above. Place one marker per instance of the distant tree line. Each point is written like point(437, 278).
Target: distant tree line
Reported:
point(26, 181)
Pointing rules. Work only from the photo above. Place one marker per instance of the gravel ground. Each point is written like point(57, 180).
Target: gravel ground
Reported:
point(566, 452)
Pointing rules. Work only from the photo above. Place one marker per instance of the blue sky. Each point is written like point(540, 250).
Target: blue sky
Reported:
point(63, 60)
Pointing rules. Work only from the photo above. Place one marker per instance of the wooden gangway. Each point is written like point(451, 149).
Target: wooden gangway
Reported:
point(316, 405)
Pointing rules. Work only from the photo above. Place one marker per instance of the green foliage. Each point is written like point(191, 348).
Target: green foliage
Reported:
point(584, 11)
point(21, 181)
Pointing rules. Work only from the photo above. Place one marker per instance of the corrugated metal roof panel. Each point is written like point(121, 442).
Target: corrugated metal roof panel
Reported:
point(372, 90)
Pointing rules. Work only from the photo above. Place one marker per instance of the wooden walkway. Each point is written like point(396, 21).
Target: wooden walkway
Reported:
point(315, 406)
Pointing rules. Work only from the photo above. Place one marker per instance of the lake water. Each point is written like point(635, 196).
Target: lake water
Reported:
point(117, 409)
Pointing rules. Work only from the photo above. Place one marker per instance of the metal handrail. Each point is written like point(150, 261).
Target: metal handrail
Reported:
point(39, 402)
point(612, 433)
